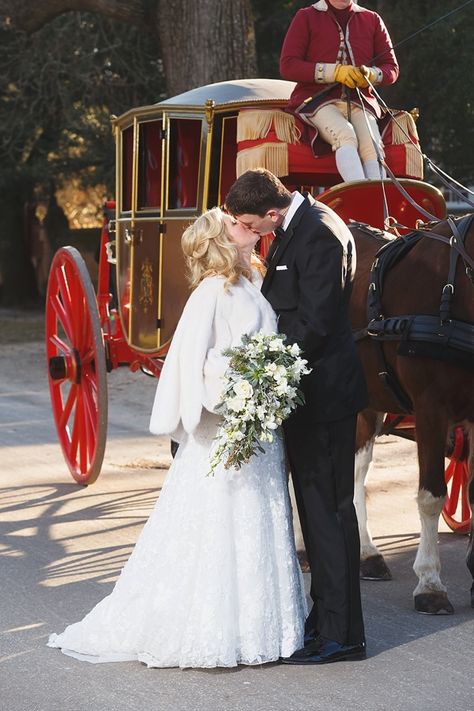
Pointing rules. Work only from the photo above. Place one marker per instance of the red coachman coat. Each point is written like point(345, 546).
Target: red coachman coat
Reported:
point(315, 36)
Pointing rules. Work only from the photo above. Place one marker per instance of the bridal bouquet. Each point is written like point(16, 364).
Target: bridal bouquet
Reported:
point(260, 391)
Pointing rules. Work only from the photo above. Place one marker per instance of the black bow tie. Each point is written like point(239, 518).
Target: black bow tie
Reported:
point(279, 233)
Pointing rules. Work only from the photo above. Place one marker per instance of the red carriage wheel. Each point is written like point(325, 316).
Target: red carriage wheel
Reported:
point(76, 365)
point(456, 511)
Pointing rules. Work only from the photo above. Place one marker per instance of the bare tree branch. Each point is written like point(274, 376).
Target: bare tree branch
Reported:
point(31, 16)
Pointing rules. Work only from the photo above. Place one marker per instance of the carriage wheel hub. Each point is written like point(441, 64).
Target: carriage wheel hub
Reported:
point(66, 367)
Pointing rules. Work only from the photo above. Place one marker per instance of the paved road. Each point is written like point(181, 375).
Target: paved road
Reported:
point(62, 546)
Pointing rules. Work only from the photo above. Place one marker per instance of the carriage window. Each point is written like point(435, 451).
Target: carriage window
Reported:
point(184, 162)
point(127, 167)
point(149, 165)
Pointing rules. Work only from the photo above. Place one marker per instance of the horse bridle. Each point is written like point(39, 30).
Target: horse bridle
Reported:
point(456, 242)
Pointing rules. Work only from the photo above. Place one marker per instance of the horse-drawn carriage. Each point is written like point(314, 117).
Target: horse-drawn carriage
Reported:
point(174, 159)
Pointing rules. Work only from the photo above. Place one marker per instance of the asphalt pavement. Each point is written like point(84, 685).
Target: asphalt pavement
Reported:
point(62, 547)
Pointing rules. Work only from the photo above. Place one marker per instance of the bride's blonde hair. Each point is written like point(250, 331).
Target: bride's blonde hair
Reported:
point(209, 251)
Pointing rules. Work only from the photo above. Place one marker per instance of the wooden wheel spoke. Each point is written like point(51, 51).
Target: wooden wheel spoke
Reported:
point(59, 344)
point(465, 505)
point(77, 427)
point(63, 294)
point(454, 493)
point(71, 399)
point(448, 475)
point(90, 435)
point(92, 384)
point(64, 317)
point(88, 357)
point(90, 410)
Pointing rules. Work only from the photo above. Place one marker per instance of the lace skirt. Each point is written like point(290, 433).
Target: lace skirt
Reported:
point(213, 579)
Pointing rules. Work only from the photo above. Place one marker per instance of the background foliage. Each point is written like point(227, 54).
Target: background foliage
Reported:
point(59, 86)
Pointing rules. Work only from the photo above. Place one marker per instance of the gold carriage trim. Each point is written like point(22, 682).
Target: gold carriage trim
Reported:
point(272, 156)
point(252, 125)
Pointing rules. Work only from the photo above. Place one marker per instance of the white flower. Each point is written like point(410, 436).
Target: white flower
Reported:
point(270, 424)
point(260, 391)
point(295, 350)
point(236, 404)
point(279, 373)
point(276, 344)
point(243, 389)
point(282, 387)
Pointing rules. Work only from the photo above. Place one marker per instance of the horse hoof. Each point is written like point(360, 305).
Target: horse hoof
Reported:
point(434, 603)
point(374, 568)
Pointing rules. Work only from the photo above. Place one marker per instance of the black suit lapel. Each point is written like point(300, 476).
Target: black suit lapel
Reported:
point(276, 255)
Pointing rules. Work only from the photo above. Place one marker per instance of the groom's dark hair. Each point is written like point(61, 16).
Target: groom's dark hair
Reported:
point(256, 192)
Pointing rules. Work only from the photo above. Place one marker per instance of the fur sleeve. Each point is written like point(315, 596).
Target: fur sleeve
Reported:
point(181, 390)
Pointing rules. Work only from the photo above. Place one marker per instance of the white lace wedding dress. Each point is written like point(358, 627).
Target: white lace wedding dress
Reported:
point(213, 579)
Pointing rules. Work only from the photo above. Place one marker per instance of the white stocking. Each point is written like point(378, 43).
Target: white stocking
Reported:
point(374, 171)
point(348, 163)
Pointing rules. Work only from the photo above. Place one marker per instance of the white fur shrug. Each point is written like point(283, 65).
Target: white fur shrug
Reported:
point(214, 318)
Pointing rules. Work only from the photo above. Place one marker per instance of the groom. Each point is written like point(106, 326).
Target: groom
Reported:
point(311, 265)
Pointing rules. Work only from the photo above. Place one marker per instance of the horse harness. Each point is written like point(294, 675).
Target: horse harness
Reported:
point(439, 337)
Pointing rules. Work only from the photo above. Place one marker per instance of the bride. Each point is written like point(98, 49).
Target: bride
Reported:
point(213, 580)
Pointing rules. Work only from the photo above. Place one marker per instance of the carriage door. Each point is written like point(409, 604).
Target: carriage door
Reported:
point(139, 244)
point(186, 136)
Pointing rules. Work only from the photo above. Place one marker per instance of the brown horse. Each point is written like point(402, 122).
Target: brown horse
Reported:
point(441, 392)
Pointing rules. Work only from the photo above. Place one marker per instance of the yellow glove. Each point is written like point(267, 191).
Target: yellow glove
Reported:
point(367, 73)
point(349, 75)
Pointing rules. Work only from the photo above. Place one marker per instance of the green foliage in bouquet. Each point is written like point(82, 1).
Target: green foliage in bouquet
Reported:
point(260, 391)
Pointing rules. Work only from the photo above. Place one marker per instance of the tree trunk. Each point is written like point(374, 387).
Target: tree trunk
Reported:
point(17, 277)
point(200, 42)
point(212, 41)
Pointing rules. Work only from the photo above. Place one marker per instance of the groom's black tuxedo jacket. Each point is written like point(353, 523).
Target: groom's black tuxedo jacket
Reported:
point(308, 283)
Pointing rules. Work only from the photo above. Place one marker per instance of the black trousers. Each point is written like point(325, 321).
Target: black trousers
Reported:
point(321, 456)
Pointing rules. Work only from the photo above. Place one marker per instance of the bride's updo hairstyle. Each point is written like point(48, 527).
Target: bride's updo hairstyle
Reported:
point(208, 250)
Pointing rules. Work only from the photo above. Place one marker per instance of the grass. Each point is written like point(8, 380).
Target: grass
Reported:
point(17, 326)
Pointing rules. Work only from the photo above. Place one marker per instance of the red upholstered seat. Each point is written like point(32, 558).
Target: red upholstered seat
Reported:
point(402, 158)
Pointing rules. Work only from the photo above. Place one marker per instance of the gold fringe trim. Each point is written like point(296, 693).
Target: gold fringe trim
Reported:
point(404, 132)
point(404, 124)
point(413, 161)
point(272, 156)
point(252, 125)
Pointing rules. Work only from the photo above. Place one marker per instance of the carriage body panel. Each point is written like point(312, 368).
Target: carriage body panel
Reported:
point(174, 160)
point(177, 158)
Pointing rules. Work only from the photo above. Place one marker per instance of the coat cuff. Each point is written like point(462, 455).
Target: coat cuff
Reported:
point(324, 73)
point(378, 75)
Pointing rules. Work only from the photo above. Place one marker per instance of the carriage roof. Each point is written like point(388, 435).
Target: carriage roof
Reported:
point(223, 94)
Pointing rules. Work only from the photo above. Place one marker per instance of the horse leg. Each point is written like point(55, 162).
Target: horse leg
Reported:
point(372, 563)
point(430, 595)
point(470, 549)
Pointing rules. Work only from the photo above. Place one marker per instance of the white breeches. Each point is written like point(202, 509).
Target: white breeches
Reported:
point(352, 141)
point(334, 127)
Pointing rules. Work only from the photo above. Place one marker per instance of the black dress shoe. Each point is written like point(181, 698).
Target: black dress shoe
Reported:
point(325, 651)
point(310, 636)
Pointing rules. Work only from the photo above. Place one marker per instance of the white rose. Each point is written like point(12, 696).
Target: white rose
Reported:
point(243, 389)
point(295, 350)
